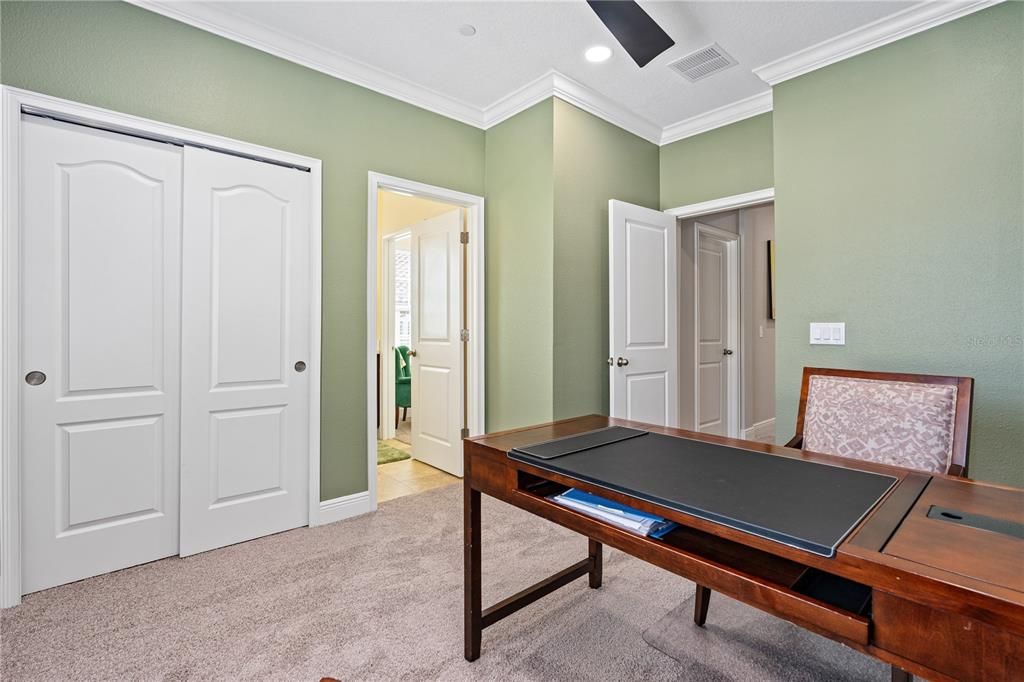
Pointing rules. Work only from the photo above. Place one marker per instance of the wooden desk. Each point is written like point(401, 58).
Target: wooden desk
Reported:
point(945, 601)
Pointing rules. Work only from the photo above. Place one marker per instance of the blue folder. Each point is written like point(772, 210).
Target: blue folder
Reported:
point(591, 500)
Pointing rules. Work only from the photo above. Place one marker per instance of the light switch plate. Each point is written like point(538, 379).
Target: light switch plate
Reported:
point(828, 333)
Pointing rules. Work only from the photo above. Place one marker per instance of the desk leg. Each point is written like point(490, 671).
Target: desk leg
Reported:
point(700, 605)
point(471, 567)
point(899, 675)
point(596, 563)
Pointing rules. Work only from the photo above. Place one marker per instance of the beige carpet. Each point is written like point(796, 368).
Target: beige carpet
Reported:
point(373, 598)
point(738, 642)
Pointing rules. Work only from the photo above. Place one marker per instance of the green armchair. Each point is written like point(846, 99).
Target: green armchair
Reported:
point(403, 382)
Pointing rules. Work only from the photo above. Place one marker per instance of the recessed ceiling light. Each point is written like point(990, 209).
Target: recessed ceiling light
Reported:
point(467, 30)
point(598, 53)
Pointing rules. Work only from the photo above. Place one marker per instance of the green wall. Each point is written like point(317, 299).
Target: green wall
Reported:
point(899, 180)
point(594, 161)
point(118, 56)
point(733, 159)
point(899, 187)
point(520, 253)
point(550, 173)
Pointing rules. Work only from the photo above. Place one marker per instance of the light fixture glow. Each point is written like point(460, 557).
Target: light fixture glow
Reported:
point(598, 53)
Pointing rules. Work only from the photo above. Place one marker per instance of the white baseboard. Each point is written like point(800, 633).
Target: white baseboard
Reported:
point(342, 508)
point(761, 431)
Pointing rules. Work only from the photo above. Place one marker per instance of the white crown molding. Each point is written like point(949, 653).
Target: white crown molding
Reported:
point(920, 17)
point(519, 100)
point(252, 34)
point(265, 39)
point(716, 118)
point(589, 100)
point(271, 41)
point(554, 84)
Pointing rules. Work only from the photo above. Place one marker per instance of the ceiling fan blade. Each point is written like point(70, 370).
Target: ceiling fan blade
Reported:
point(638, 34)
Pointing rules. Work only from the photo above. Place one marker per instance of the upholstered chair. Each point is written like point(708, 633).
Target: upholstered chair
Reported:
point(403, 382)
point(915, 421)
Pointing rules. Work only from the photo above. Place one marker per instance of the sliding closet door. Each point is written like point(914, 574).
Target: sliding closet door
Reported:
point(100, 263)
point(245, 341)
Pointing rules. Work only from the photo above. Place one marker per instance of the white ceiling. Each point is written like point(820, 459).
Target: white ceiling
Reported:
point(413, 50)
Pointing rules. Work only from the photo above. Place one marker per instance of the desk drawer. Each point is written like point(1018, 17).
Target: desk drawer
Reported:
point(774, 584)
point(960, 647)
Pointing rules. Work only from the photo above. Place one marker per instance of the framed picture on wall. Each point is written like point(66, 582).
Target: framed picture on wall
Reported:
point(771, 279)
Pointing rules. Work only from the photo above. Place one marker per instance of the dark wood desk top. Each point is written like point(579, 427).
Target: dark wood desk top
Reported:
point(986, 556)
point(895, 547)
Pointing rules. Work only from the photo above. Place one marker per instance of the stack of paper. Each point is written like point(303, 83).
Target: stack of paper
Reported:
point(620, 515)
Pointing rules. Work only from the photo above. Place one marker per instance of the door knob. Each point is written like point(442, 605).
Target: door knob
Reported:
point(622, 362)
point(300, 366)
point(412, 353)
point(726, 352)
point(35, 378)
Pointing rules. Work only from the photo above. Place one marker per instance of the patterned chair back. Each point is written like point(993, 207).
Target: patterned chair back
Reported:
point(912, 421)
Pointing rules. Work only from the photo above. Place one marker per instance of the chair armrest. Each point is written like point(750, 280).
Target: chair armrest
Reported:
point(796, 442)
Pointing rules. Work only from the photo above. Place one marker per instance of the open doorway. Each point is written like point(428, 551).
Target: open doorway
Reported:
point(692, 315)
point(427, 363)
point(727, 323)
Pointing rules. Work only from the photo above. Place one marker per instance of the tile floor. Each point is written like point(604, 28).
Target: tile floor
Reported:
point(408, 477)
point(404, 430)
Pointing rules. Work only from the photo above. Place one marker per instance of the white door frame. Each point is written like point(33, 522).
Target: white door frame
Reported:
point(474, 275)
point(733, 314)
point(14, 102)
point(730, 203)
point(388, 331)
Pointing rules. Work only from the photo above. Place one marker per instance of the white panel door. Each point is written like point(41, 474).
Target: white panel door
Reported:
point(436, 367)
point(245, 328)
point(100, 229)
point(644, 300)
point(715, 332)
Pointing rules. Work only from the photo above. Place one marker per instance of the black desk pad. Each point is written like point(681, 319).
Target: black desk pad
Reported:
point(807, 505)
point(566, 445)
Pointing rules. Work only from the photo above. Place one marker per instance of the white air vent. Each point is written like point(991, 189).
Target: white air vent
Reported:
point(704, 62)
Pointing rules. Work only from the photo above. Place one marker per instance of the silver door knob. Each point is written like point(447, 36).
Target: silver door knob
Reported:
point(300, 366)
point(622, 362)
point(35, 378)
point(726, 351)
point(412, 353)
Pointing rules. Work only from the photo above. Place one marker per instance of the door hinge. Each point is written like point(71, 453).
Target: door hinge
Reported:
point(464, 433)
point(464, 335)
point(463, 237)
